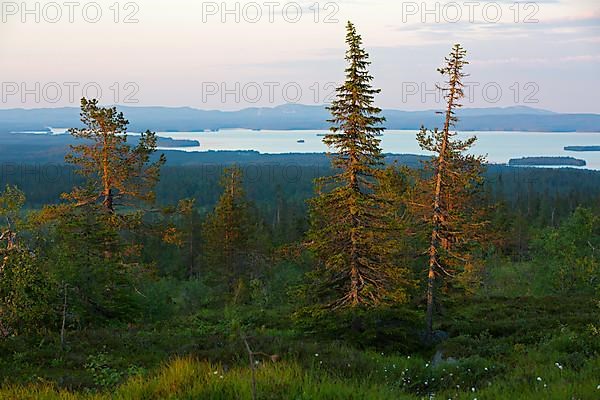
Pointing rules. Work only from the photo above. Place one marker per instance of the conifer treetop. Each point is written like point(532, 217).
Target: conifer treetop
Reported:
point(356, 122)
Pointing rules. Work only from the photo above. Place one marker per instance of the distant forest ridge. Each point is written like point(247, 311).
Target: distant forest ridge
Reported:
point(298, 117)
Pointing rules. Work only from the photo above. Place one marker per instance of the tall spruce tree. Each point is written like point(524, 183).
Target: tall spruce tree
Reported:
point(447, 197)
point(349, 222)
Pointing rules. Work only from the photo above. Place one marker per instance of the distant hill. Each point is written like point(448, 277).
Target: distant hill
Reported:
point(296, 116)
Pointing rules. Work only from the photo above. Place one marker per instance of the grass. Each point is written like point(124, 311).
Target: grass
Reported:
point(534, 376)
point(519, 347)
point(185, 378)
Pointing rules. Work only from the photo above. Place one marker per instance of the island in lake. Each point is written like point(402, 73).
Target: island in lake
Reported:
point(547, 161)
point(170, 143)
point(582, 148)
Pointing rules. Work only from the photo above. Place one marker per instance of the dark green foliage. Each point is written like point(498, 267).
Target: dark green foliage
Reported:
point(568, 255)
point(393, 329)
point(180, 227)
point(233, 246)
point(85, 252)
point(482, 352)
point(161, 299)
point(350, 221)
point(530, 197)
point(505, 325)
point(28, 296)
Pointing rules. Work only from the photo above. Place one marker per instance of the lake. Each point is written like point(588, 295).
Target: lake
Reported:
point(499, 146)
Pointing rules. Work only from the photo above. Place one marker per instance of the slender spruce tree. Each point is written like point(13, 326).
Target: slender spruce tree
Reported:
point(447, 196)
point(230, 232)
point(350, 224)
point(186, 209)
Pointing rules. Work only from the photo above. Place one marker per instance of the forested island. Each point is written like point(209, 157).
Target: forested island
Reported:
point(547, 161)
point(582, 148)
point(133, 273)
point(169, 142)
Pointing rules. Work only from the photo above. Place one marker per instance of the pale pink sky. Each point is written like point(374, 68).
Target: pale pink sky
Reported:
point(543, 54)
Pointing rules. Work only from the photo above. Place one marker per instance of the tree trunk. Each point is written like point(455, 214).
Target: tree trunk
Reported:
point(433, 245)
point(251, 359)
point(64, 319)
point(354, 286)
point(191, 244)
point(429, 315)
point(437, 216)
point(106, 176)
point(108, 201)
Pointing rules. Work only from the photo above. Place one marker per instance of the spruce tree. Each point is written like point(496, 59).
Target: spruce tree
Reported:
point(349, 222)
point(229, 231)
point(447, 197)
point(87, 253)
point(186, 209)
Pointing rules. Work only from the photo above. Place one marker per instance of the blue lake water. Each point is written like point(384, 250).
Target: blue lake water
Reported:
point(499, 146)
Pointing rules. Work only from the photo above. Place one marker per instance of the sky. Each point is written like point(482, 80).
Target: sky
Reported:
point(229, 55)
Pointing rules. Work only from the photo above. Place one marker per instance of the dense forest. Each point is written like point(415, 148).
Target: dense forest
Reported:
point(351, 275)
